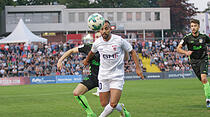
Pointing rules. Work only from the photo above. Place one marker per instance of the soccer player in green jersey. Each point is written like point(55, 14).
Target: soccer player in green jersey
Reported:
point(198, 54)
point(89, 82)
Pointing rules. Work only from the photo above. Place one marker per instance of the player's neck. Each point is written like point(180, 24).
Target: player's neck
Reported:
point(195, 34)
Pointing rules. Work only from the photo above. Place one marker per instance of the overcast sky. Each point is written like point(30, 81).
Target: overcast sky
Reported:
point(200, 4)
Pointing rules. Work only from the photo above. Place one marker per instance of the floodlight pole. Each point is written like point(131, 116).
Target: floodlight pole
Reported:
point(162, 33)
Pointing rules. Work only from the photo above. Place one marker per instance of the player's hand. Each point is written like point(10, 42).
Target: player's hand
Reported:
point(59, 65)
point(85, 62)
point(139, 73)
point(142, 77)
point(188, 53)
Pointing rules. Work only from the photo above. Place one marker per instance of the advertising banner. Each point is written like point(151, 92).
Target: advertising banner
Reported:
point(69, 79)
point(161, 75)
point(154, 75)
point(180, 74)
point(131, 76)
point(14, 81)
point(43, 80)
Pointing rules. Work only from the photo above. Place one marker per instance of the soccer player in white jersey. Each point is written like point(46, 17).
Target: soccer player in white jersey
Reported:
point(111, 70)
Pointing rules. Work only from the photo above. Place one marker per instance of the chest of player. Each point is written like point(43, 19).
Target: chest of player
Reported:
point(110, 51)
point(196, 43)
point(110, 48)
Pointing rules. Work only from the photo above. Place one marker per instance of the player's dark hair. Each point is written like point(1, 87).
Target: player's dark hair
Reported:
point(107, 21)
point(195, 21)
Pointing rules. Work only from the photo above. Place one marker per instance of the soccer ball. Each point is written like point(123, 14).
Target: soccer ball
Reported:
point(95, 21)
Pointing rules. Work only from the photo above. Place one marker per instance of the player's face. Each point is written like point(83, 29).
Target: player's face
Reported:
point(106, 31)
point(194, 28)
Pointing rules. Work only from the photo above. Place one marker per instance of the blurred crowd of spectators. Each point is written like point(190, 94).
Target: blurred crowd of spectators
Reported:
point(36, 60)
point(41, 59)
point(163, 54)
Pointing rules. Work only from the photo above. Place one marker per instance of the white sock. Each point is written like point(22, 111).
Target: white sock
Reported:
point(107, 110)
point(118, 107)
point(97, 90)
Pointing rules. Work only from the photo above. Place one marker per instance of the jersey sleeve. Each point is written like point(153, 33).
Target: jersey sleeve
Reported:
point(84, 48)
point(207, 39)
point(126, 46)
point(94, 48)
point(183, 42)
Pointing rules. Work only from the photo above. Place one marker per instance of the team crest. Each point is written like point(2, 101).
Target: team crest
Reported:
point(200, 40)
point(114, 47)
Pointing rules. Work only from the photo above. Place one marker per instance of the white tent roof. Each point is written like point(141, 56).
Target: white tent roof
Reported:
point(22, 34)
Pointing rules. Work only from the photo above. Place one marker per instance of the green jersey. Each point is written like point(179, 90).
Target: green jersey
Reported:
point(196, 44)
point(94, 62)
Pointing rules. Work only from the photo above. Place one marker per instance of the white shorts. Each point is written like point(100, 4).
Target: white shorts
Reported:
point(106, 84)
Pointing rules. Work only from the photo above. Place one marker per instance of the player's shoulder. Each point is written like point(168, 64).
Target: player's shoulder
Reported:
point(84, 45)
point(116, 36)
point(81, 46)
point(187, 36)
point(202, 34)
point(98, 41)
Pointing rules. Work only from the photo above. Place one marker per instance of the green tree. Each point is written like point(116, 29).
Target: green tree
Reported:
point(3, 3)
point(75, 3)
point(123, 3)
point(180, 11)
point(153, 3)
point(41, 2)
point(107, 3)
point(22, 2)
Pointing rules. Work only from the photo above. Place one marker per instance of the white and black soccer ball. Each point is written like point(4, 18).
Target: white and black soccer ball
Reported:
point(95, 21)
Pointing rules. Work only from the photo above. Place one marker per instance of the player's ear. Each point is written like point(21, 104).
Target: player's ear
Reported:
point(110, 27)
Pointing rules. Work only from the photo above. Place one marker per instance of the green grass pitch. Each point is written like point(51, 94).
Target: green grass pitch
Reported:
point(143, 98)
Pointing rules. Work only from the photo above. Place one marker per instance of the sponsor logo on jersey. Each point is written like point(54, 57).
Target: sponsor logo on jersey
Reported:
point(197, 47)
point(110, 56)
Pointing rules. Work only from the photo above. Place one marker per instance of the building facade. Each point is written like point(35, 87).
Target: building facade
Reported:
point(57, 20)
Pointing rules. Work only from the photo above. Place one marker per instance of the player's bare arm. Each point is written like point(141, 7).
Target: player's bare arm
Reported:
point(180, 50)
point(66, 54)
point(126, 56)
point(87, 59)
point(136, 61)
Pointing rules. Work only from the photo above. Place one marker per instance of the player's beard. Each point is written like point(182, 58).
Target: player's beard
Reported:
point(106, 36)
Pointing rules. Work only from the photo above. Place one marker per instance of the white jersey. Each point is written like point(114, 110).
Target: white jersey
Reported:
point(111, 56)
